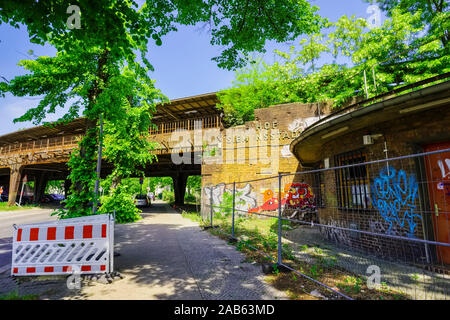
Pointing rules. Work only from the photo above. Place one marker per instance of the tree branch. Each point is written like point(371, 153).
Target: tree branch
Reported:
point(269, 17)
point(245, 16)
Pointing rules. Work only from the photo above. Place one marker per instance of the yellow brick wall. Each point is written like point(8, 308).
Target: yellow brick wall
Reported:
point(259, 149)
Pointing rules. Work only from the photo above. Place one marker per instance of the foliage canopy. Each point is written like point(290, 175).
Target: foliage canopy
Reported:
point(396, 53)
point(101, 70)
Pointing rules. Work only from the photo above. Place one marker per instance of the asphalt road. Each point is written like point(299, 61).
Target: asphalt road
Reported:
point(8, 218)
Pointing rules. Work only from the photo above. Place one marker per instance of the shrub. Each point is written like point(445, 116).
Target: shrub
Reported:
point(123, 203)
point(168, 196)
point(190, 198)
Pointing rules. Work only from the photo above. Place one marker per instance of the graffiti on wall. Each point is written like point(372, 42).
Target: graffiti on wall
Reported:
point(295, 196)
point(299, 125)
point(378, 226)
point(299, 195)
point(335, 232)
point(245, 198)
point(445, 173)
point(296, 127)
point(394, 194)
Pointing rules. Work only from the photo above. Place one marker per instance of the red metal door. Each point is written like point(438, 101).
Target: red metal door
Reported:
point(438, 173)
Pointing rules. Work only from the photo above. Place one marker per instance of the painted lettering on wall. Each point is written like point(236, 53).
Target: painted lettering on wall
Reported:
point(394, 194)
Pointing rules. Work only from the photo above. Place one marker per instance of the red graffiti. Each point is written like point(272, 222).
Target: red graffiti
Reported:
point(296, 195)
point(299, 195)
point(269, 205)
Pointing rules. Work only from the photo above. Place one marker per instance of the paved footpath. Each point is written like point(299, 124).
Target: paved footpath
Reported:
point(165, 256)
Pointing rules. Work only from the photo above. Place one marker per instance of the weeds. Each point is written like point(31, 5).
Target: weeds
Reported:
point(15, 296)
point(315, 271)
point(303, 247)
point(351, 284)
point(4, 207)
point(194, 216)
point(275, 271)
point(258, 235)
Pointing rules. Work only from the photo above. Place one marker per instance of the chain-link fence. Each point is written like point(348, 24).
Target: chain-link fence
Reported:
point(359, 230)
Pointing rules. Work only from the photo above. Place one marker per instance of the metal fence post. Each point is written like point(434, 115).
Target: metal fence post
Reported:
point(99, 165)
point(211, 204)
point(365, 85)
point(111, 240)
point(279, 219)
point(234, 203)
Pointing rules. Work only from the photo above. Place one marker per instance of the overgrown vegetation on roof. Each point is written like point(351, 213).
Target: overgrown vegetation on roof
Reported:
point(407, 48)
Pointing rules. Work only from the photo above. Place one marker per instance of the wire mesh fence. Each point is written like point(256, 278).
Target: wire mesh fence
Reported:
point(359, 230)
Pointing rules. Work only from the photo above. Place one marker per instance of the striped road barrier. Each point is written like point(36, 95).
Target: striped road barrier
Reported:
point(78, 245)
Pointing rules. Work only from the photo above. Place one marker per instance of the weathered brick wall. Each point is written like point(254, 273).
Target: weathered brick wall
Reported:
point(274, 128)
point(403, 136)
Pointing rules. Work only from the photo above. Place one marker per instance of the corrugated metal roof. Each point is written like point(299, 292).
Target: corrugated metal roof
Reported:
point(187, 108)
point(178, 109)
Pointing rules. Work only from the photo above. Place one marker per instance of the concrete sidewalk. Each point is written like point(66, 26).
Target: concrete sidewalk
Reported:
point(165, 256)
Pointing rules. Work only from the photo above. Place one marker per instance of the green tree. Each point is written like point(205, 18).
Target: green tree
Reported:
point(193, 188)
point(55, 186)
point(81, 75)
point(434, 13)
point(112, 40)
point(346, 37)
point(160, 181)
point(396, 53)
point(128, 146)
point(399, 53)
point(311, 50)
point(240, 27)
point(194, 184)
point(121, 201)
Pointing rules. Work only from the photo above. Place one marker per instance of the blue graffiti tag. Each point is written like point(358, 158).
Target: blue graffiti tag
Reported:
point(394, 195)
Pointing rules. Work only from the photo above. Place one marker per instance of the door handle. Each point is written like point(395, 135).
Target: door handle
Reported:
point(436, 210)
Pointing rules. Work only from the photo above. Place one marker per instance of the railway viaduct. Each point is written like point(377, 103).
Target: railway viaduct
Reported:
point(41, 153)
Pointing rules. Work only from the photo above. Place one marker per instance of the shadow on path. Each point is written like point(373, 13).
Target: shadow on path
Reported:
point(165, 256)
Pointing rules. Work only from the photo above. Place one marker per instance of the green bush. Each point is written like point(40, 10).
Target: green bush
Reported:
point(168, 196)
point(190, 198)
point(123, 203)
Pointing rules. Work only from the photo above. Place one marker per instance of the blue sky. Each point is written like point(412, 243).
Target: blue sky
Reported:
point(183, 65)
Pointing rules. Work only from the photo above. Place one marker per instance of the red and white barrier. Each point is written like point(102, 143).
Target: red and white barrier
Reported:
point(76, 245)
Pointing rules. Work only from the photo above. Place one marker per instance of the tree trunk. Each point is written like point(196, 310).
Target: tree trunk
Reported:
point(115, 182)
point(81, 190)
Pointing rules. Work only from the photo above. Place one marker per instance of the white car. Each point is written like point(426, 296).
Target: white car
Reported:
point(141, 200)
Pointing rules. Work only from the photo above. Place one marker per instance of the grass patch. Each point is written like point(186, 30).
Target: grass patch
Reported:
point(15, 296)
point(194, 216)
point(4, 207)
point(254, 233)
